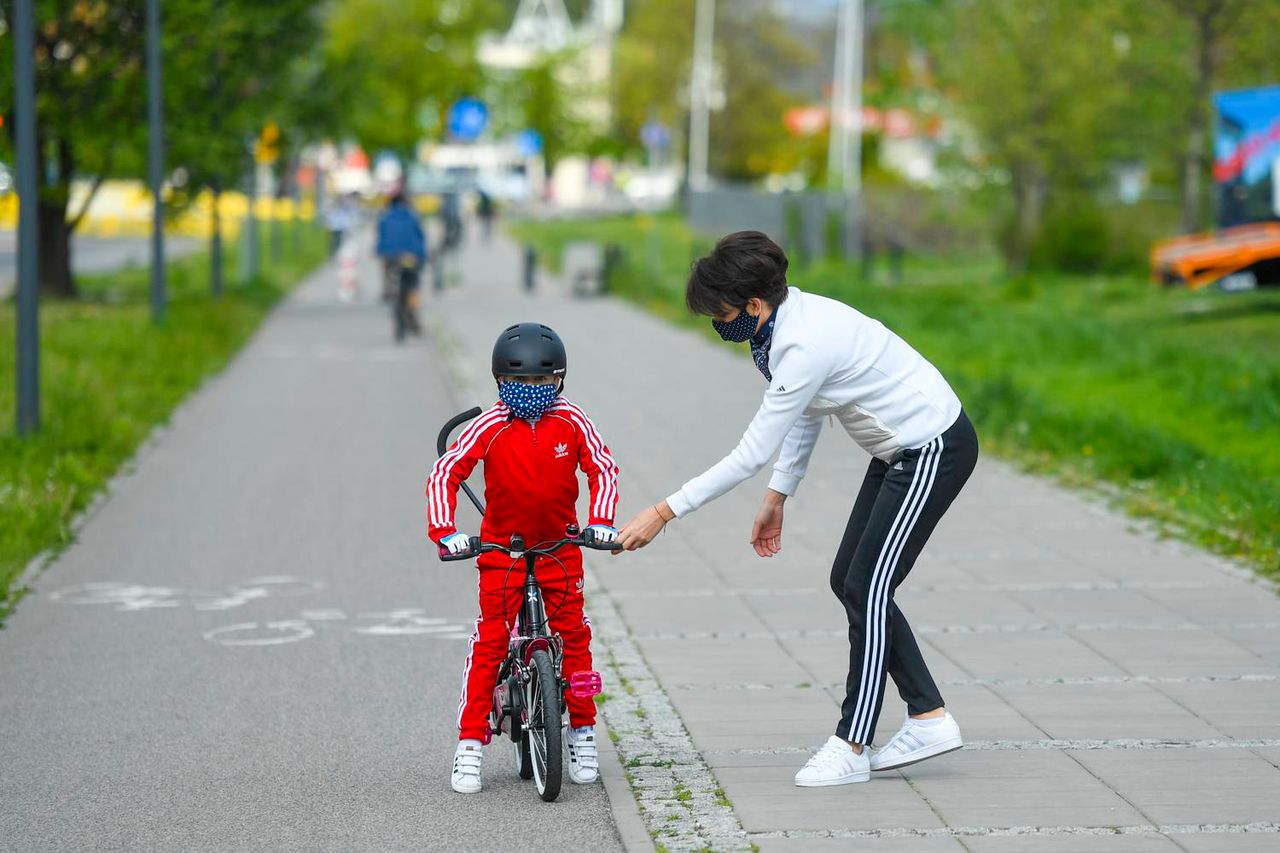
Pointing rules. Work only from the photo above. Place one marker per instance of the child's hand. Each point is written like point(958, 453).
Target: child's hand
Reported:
point(456, 543)
point(603, 533)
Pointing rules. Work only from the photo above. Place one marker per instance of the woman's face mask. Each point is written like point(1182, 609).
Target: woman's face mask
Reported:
point(737, 330)
point(527, 401)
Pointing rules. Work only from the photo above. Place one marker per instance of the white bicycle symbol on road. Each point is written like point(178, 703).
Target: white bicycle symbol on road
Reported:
point(132, 596)
point(393, 623)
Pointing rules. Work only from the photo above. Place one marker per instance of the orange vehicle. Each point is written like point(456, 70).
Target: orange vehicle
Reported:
point(1239, 258)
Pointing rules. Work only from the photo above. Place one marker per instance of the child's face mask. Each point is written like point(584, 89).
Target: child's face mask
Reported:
point(527, 401)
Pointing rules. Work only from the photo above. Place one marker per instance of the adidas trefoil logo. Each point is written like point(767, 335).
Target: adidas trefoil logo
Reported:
point(562, 450)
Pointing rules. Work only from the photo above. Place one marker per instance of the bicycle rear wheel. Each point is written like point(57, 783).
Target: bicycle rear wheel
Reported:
point(524, 762)
point(543, 731)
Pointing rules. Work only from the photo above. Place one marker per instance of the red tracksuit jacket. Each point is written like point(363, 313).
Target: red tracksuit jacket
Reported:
point(530, 474)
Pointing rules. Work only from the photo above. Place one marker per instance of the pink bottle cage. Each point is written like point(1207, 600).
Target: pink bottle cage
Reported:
point(585, 683)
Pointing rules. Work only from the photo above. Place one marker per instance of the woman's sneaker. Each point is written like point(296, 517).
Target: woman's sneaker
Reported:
point(918, 740)
point(584, 759)
point(466, 767)
point(835, 764)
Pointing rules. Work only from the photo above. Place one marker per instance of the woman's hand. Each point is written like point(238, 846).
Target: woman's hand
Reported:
point(766, 533)
point(647, 524)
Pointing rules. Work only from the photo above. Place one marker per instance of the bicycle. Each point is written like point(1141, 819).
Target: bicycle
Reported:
point(404, 269)
point(528, 699)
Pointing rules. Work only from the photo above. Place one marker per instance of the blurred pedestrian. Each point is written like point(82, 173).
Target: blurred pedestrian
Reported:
point(340, 218)
point(486, 210)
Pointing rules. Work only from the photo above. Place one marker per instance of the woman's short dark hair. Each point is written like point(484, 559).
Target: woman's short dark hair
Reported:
point(743, 266)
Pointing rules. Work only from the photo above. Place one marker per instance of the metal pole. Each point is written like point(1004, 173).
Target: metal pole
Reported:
point(28, 333)
point(853, 169)
point(852, 165)
point(846, 148)
point(836, 119)
point(155, 159)
point(215, 248)
point(250, 265)
point(700, 93)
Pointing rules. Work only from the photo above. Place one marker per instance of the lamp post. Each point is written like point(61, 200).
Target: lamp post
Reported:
point(700, 79)
point(844, 154)
point(155, 160)
point(28, 317)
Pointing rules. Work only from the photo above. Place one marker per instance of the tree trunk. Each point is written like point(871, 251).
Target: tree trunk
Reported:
point(1193, 161)
point(54, 245)
point(54, 248)
point(1028, 200)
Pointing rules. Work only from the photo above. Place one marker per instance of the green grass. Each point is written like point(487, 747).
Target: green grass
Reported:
point(1168, 400)
point(109, 376)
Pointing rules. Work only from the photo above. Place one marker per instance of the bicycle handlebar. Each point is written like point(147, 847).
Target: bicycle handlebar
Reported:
point(476, 547)
point(442, 440)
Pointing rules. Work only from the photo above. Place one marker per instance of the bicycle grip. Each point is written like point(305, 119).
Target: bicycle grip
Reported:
point(473, 550)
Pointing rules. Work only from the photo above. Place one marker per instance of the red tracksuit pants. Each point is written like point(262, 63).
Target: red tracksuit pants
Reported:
point(562, 597)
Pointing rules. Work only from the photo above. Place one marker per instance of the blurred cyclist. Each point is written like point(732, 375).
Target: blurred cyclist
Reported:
point(403, 250)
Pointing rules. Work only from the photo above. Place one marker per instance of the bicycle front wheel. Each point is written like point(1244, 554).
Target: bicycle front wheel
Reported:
point(543, 731)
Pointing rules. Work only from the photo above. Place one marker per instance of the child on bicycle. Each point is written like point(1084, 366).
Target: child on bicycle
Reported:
point(532, 441)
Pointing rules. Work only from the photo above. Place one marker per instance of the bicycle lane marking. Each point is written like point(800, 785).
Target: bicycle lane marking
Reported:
point(126, 597)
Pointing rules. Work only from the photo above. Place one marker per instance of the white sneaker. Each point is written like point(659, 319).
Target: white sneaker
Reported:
point(835, 764)
point(584, 759)
point(466, 767)
point(915, 742)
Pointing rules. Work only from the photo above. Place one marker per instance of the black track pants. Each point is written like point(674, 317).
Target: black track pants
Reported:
point(897, 509)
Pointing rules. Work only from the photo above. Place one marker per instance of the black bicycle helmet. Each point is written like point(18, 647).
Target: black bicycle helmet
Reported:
point(529, 349)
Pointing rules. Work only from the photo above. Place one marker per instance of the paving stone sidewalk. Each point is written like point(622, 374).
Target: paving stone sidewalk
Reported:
point(1117, 692)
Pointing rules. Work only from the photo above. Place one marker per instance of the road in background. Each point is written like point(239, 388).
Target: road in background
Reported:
point(94, 254)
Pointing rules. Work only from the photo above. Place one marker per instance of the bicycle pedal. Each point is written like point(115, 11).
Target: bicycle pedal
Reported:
point(585, 683)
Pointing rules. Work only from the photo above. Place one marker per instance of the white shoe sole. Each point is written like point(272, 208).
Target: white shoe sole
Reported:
point(466, 789)
point(848, 779)
point(933, 750)
point(575, 780)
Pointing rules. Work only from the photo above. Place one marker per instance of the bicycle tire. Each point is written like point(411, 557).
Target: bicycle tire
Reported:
point(543, 730)
point(524, 762)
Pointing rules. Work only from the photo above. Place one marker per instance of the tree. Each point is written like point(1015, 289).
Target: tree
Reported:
point(1042, 85)
point(89, 106)
point(398, 58)
point(1223, 42)
point(651, 69)
point(549, 104)
point(749, 137)
point(754, 49)
point(225, 61)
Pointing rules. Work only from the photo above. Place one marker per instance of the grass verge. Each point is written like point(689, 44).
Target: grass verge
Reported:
point(1169, 401)
point(109, 376)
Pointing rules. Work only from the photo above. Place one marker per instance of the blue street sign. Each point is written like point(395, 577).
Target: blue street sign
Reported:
point(468, 117)
point(529, 143)
point(655, 135)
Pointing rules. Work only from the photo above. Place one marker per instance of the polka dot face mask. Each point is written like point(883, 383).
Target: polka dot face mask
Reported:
point(527, 401)
point(737, 330)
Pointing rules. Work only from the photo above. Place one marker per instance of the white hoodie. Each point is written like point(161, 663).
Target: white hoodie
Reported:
point(830, 359)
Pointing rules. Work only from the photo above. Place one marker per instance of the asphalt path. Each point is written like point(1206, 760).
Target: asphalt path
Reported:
point(251, 645)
